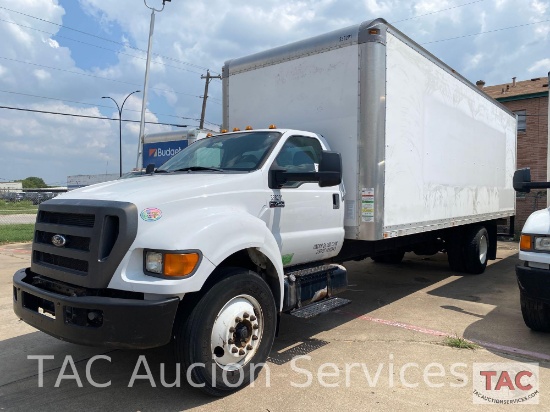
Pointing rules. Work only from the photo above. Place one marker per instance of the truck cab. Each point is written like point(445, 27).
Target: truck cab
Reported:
point(194, 252)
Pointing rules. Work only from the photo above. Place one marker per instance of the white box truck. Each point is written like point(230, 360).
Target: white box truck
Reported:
point(382, 149)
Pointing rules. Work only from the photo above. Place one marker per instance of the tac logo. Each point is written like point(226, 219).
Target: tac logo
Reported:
point(506, 383)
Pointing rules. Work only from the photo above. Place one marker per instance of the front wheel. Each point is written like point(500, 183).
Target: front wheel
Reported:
point(226, 339)
point(536, 315)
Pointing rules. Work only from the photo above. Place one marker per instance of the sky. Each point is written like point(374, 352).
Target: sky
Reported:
point(65, 55)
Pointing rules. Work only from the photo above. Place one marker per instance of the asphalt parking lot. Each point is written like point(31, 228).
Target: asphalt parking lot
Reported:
point(384, 351)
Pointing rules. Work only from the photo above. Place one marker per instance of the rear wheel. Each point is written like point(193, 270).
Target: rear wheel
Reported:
point(476, 250)
point(229, 333)
point(536, 314)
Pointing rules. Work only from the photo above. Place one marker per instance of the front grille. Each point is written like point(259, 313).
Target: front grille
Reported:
point(70, 219)
point(61, 261)
point(97, 235)
point(73, 242)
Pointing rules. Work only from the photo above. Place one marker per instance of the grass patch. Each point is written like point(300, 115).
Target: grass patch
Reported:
point(16, 233)
point(459, 343)
point(12, 208)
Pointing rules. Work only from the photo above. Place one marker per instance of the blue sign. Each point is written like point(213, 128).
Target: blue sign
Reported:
point(158, 153)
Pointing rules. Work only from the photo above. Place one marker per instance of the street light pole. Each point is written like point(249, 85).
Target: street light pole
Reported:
point(120, 126)
point(148, 61)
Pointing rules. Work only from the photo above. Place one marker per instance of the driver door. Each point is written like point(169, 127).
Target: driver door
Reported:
point(307, 220)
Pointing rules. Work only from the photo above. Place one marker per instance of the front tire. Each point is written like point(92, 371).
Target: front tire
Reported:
point(229, 333)
point(536, 315)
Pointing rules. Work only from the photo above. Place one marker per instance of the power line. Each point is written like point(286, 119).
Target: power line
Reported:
point(95, 45)
point(104, 106)
point(86, 116)
point(437, 11)
point(485, 32)
point(103, 38)
point(94, 76)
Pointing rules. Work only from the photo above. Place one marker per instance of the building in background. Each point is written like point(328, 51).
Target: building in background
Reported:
point(76, 181)
point(529, 100)
point(6, 187)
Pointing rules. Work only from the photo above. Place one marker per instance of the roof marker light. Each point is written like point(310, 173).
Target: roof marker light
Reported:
point(248, 128)
point(236, 129)
point(272, 126)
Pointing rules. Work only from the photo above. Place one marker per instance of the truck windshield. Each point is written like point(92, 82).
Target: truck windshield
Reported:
point(233, 151)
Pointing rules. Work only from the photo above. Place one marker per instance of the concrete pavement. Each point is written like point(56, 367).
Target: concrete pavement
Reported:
point(382, 352)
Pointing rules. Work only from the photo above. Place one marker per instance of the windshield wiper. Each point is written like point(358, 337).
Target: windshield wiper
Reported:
point(197, 168)
point(161, 171)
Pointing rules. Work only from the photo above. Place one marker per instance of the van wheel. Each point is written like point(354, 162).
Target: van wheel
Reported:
point(226, 339)
point(390, 258)
point(476, 250)
point(536, 315)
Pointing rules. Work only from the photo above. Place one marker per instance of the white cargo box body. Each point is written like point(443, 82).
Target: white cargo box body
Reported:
point(422, 147)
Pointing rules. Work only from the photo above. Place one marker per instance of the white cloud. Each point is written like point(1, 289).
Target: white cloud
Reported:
point(540, 66)
point(42, 74)
point(540, 7)
point(53, 44)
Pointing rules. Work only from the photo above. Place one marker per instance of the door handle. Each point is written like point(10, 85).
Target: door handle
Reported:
point(336, 200)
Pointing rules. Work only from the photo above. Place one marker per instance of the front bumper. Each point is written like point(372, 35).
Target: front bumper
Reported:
point(533, 282)
point(94, 320)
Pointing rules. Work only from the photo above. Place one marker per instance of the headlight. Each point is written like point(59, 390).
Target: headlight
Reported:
point(542, 243)
point(530, 242)
point(173, 264)
point(153, 262)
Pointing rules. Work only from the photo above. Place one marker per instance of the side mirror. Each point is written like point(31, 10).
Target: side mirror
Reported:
point(150, 169)
point(330, 169)
point(521, 178)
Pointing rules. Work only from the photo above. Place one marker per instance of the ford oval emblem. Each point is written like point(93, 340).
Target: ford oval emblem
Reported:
point(59, 241)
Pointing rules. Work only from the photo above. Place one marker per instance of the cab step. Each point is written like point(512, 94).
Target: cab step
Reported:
point(305, 285)
point(318, 308)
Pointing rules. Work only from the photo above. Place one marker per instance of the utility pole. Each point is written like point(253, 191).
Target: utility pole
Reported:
point(145, 85)
point(208, 77)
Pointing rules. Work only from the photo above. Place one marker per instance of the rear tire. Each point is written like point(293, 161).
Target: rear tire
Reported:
point(536, 315)
point(228, 331)
point(476, 250)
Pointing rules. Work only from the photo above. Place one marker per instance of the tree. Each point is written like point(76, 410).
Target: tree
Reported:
point(33, 182)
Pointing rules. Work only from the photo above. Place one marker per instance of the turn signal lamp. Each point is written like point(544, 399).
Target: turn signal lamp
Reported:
point(236, 129)
point(525, 242)
point(248, 128)
point(180, 264)
point(272, 126)
point(171, 264)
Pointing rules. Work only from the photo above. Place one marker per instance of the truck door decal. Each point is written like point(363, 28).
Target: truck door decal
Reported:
point(276, 201)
